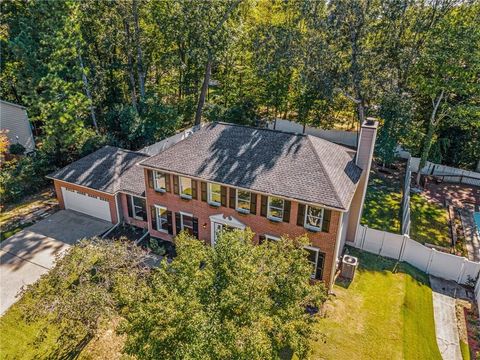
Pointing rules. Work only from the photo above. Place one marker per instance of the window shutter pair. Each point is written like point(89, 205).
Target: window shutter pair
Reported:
point(253, 203)
point(150, 178)
point(223, 196)
point(129, 206)
point(263, 207)
point(233, 198)
point(176, 186)
point(194, 189)
point(286, 210)
point(203, 191)
point(153, 217)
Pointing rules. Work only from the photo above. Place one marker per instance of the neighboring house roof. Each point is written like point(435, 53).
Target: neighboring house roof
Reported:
point(14, 119)
point(296, 166)
point(109, 169)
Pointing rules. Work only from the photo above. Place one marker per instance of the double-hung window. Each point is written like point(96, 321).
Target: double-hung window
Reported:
point(243, 201)
point(275, 208)
point(214, 194)
point(316, 259)
point(314, 218)
point(186, 222)
point(185, 187)
point(139, 208)
point(162, 219)
point(159, 181)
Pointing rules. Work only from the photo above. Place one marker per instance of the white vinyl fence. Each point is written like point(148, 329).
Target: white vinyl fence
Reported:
point(348, 138)
point(164, 144)
point(430, 261)
point(447, 173)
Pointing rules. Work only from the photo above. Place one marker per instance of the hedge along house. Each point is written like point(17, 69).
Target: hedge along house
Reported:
point(226, 176)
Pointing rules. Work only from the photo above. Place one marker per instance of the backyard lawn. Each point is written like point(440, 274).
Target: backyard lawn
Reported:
point(429, 222)
point(385, 313)
point(382, 203)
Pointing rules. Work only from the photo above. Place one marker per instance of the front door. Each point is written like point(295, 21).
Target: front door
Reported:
point(218, 228)
point(220, 223)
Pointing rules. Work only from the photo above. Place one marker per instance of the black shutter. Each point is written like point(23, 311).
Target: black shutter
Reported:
point(233, 198)
point(169, 222)
point(168, 187)
point(263, 208)
point(176, 188)
point(150, 178)
point(261, 239)
point(223, 195)
point(194, 190)
point(178, 223)
point(320, 263)
point(129, 206)
point(286, 211)
point(253, 203)
point(144, 210)
point(301, 215)
point(203, 190)
point(327, 214)
point(153, 217)
point(195, 227)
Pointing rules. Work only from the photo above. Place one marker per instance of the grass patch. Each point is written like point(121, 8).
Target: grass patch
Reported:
point(382, 203)
point(6, 234)
point(429, 222)
point(465, 350)
point(385, 313)
point(22, 340)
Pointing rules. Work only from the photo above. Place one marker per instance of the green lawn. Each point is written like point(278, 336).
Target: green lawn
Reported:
point(385, 313)
point(382, 204)
point(429, 222)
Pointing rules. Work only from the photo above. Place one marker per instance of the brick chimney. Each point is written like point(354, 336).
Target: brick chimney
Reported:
point(363, 159)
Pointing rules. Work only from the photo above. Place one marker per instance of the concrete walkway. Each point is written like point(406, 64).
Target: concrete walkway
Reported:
point(444, 293)
point(30, 253)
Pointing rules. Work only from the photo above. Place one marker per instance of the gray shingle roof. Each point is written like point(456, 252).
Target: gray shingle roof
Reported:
point(109, 169)
point(301, 167)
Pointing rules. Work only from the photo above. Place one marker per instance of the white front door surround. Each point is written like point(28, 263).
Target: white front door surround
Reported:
point(217, 223)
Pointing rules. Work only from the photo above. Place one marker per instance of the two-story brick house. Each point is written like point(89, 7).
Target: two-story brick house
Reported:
point(230, 176)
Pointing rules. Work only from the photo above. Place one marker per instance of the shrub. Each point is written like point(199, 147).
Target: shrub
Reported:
point(16, 149)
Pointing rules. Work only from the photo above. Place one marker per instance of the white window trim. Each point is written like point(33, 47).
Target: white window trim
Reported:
point(182, 214)
point(271, 237)
point(133, 207)
point(180, 185)
point(209, 194)
point(312, 276)
point(155, 177)
point(239, 209)
point(310, 227)
point(274, 218)
point(158, 220)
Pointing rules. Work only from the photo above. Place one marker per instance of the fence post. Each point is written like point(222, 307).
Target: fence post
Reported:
point(430, 259)
point(383, 242)
point(462, 271)
point(402, 248)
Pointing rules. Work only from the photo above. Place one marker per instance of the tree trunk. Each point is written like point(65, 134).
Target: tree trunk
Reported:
point(87, 92)
point(133, 92)
point(427, 144)
point(140, 70)
point(203, 91)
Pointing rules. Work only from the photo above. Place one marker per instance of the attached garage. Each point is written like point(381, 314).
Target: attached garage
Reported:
point(86, 203)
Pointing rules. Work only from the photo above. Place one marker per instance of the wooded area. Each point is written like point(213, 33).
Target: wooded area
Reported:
point(129, 73)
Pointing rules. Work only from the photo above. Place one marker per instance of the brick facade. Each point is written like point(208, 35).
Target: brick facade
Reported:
point(110, 198)
point(324, 241)
point(126, 217)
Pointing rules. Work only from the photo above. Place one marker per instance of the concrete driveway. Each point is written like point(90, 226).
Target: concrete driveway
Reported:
point(28, 254)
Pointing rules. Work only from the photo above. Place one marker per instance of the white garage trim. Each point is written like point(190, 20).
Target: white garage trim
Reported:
point(86, 203)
